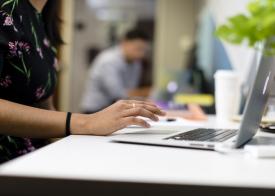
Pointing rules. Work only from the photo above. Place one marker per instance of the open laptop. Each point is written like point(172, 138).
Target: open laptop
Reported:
point(208, 138)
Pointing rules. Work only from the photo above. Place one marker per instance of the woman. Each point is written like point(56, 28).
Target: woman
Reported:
point(28, 66)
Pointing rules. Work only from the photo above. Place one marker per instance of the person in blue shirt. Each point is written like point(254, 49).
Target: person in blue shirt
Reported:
point(115, 72)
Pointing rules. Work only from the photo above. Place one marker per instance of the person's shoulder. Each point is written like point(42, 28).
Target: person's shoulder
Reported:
point(109, 55)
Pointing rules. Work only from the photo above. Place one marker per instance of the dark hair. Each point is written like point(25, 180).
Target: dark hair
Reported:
point(52, 21)
point(136, 34)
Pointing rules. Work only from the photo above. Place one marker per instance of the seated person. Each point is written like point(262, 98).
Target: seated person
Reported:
point(115, 73)
point(28, 77)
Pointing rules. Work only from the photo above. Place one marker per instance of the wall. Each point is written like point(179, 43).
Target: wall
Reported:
point(241, 56)
point(175, 28)
point(94, 33)
point(65, 55)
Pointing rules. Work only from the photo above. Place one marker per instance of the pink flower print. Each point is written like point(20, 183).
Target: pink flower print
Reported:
point(5, 82)
point(39, 50)
point(8, 21)
point(18, 48)
point(24, 46)
point(46, 42)
point(22, 152)
point(31, 149)
point(56, 64)
point(40, 92)
point(29, 145)
point(13, 48)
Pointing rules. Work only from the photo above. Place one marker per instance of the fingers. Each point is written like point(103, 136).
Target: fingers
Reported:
point(135, 121)
point(146, 105)
point(154, 109)
point(140, 102)
point(138, 111)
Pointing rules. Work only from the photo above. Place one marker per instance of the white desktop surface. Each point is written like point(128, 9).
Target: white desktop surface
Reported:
point(96, 158)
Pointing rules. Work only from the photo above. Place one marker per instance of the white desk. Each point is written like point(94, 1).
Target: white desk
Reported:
point(96, 159)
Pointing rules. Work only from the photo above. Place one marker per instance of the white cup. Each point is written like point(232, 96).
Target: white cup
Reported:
point(227, 94)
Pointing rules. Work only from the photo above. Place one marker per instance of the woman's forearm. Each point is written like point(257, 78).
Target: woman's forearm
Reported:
point(46, 104)
point(24, 121)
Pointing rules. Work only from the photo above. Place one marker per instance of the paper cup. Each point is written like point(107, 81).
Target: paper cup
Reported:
point(227, 94)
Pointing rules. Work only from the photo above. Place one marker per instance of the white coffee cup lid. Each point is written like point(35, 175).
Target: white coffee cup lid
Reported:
point(226, 74)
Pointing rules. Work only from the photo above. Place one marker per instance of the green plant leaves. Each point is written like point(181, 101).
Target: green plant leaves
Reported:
point(258, 25)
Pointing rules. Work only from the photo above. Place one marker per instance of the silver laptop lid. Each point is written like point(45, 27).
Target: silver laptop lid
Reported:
point(256, 101)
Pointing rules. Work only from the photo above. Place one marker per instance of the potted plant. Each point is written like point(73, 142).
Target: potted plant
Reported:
point(255, 27)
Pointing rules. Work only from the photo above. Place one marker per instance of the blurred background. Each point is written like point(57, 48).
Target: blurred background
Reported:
point(184, 52)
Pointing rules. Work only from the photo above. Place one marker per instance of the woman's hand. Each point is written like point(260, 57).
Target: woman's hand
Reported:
point(118, 116)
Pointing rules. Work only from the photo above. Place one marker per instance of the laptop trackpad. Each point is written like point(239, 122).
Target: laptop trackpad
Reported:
point(259, 140)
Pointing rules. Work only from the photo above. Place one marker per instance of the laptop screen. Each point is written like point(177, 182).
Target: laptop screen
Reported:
point(257, 100)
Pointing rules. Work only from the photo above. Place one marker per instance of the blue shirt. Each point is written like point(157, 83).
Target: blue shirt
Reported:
point(109, 79)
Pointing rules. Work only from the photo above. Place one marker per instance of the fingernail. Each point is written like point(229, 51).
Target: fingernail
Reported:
point(147, 125)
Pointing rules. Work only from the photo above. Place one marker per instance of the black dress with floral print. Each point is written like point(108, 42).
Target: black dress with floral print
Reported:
point(28, 65)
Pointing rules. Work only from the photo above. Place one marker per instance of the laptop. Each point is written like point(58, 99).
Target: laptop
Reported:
point(203, 138)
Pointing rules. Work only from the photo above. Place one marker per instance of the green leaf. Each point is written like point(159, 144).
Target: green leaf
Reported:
point(256, 26)
point(6, 3)
point(18, 68)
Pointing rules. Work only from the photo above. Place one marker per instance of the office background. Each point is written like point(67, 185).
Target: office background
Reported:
point(183, 46)
point(176, 26)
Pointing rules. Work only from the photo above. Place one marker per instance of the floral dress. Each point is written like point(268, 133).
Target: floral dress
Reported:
point(28, 65)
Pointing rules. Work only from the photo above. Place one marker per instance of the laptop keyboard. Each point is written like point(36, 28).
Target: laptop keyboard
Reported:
point(209, 135)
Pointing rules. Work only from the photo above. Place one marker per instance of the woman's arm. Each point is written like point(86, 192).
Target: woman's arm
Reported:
point(24, 121)
point(46, 104)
